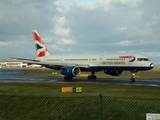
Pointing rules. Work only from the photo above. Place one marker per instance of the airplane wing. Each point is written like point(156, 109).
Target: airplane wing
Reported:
point(25, 59)
point(50, 64)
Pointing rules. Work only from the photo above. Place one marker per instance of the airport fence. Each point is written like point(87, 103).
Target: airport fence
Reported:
point(76, 108)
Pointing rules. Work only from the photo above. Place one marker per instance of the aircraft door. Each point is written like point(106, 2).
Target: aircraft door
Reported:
point(102, 59)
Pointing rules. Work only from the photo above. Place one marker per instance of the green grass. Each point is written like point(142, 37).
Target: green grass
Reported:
point(45, 101)
point(71, 108)
point(54, 89)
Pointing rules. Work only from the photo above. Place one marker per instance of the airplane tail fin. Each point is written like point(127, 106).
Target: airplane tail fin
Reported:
point(39, 44)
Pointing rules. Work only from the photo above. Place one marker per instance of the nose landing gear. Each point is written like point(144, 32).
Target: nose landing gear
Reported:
point(133, 78)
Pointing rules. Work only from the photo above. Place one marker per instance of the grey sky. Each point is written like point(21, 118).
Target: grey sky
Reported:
point(74, 26)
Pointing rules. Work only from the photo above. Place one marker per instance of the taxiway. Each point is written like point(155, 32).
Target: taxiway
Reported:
point(11, 75)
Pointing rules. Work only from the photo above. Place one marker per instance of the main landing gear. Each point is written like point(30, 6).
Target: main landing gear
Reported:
point(92, 76)
point(68, 78)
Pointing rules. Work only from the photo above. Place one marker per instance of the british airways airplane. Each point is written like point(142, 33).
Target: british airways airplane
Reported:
point(71, 65)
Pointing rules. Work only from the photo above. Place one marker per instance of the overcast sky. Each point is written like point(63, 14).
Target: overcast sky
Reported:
point(80, 26)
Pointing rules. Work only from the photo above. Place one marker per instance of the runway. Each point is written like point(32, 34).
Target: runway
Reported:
point(11, 75)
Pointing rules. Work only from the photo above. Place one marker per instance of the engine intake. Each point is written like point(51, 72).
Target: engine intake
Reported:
point(71, 71)
point(113, 73)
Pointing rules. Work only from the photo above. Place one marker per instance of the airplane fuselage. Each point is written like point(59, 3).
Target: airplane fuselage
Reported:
point(102, 62)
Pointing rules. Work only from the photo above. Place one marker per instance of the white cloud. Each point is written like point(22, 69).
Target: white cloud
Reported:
point(143, 42)
point(61, 31)
point(59, 28)
point(126, 43)
point(122, 51)
point(154, 20)
point(56, 47)
point(124, 1)
point(65, 42)
point(56, 3)
point(59, 9)
point(121, 43)
point(131, 43)
point(5, 43)
point(102, 25)
point(122, 28)
point(60, 21)
point(47, 40)
point(152, 54)
point(87, 5)
point(59, 48)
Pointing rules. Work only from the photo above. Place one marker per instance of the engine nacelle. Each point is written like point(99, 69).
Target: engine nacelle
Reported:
point(71, 71)
point(113, 73)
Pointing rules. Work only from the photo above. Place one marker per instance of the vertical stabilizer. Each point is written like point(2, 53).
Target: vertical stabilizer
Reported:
point(39, 44)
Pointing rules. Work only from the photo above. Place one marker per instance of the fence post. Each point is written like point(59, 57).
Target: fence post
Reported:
point(101, 109)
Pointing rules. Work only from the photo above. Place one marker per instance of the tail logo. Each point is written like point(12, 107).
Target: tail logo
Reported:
point(38, 47)
point(43, 53)
point(39, 44)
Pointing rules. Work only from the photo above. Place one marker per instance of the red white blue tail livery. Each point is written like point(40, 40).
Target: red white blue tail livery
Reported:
point(39, 44)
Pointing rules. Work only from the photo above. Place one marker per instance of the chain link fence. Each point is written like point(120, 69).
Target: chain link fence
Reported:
point(76, 108)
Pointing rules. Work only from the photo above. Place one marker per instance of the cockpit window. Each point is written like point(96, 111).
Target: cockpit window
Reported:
point(142, 59)
point(145, 59)
point(139, 59)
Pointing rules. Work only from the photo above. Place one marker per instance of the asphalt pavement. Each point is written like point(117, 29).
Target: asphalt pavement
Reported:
point(11, 75)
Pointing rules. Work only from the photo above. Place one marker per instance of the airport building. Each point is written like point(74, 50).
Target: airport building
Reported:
point(14, 64)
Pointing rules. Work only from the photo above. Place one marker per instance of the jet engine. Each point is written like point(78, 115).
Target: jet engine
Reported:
point(113, 73)
point(71, 71)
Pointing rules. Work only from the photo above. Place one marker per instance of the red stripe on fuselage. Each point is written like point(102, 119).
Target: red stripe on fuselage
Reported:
point(127, 56)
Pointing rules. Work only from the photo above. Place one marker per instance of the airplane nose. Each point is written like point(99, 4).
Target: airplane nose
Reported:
point(151, 65)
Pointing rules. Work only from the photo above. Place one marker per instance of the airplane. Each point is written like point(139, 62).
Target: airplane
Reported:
point(72, 65)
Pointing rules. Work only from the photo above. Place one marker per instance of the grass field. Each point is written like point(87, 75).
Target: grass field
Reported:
point(54, 89)
point(46, 101)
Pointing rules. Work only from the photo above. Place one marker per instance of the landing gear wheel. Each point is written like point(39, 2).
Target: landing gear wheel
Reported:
point(89, 77)
point(92, 77)
point(133, 76)
point(132, 80)
point(68, 78)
